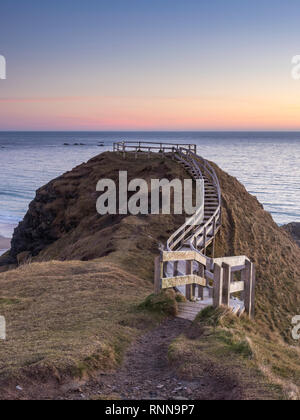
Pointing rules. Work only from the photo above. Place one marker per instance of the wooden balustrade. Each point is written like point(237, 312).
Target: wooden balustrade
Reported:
point(224, 285)
point(220, 272)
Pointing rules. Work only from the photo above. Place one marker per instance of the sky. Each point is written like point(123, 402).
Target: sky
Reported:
point(149, 65)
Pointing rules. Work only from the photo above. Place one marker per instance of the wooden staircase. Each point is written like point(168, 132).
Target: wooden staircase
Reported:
point(184, 265)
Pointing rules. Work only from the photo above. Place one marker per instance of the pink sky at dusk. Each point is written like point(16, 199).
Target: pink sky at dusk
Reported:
point(150, 66)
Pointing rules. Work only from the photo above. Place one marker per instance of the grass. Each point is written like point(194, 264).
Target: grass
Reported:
point(165, 303)
point(69, 318)
point(225, 344)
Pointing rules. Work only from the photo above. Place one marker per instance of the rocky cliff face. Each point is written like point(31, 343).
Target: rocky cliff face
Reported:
point(62, 223)
point(294, 230)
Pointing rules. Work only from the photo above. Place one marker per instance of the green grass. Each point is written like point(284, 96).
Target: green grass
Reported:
point(165, 303)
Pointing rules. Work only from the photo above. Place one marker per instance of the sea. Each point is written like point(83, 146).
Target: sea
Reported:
point(267, 163)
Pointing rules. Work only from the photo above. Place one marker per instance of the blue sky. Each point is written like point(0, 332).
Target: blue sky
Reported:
point(124, 56)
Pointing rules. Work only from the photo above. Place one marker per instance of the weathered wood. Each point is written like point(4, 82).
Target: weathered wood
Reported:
point(226, 283)
point(175, 271)
point(243, 279)
point(209, 275)
point(237, 268)
point(157, 275)
point(237, 286)
point(252, 311)
point(232, 261)
point(198, 232)
point(249, 290)
point(188, 287)
point(218, 286)
point(168, 282)
point(184, 256)
point(201, 292)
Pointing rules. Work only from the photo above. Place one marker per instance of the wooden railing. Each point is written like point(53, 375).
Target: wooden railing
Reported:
point(184, 263)
point(148, 147)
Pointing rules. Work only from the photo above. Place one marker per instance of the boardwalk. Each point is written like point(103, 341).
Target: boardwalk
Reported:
point(184, 264)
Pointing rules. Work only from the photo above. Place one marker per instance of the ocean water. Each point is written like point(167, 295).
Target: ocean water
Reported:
point(267, 163)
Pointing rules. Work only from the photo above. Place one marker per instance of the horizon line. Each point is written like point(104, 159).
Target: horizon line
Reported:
point(152, 131)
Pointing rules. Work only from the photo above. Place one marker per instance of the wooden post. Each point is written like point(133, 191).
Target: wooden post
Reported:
point(124, 152)
point(214, 236)
point(252, 314)
point(243, 278)
point(176, 268)
point(226, 284)
point(218, 286)
point(204, 240)
point(188, 287)
point(201, 274)
point(249, 289)
point(157, 275)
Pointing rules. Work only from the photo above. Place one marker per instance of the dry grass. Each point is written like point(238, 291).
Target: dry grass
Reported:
point(73, 317)
point(225, 346)
point(69, 318)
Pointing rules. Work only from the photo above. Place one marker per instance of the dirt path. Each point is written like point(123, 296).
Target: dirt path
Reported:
point(146, 373)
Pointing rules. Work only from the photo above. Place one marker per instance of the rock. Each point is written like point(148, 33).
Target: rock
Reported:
point(23, 257)
point(294, 230)
point(19, 388)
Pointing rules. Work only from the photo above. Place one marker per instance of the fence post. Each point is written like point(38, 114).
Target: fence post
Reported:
point(252, 314)
point(124, 152)
point(204, 240)
point(249, 289)
point(243, 278)
point(201, 274)
point(157, 274)
point(218, 286)
point(176, 268)
point(226, 284)
point(189, 287)
point(214, 237)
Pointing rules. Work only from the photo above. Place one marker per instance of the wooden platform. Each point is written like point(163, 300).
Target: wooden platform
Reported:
point(189, 310)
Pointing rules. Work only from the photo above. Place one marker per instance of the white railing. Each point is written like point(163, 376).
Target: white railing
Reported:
point(189, 243)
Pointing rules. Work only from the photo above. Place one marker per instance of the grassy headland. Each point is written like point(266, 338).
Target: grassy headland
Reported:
point(74, 304)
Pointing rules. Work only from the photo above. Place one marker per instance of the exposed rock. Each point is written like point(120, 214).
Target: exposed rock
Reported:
point(294, 230)
point(23, 257)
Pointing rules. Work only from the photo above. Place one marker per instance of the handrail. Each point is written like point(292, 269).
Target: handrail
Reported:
point(218, 270)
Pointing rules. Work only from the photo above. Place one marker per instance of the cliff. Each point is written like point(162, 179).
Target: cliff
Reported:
point(115, 273)
point(62, 223)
